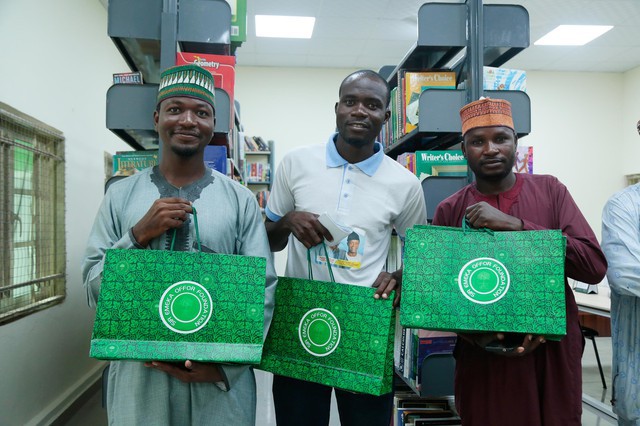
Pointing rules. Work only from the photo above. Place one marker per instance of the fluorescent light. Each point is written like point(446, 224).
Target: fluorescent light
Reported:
point(573, 35)
point(284, 26)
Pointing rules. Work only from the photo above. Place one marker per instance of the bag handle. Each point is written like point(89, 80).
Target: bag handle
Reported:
point(195, 222)
point(466, 227)
point(326, 255)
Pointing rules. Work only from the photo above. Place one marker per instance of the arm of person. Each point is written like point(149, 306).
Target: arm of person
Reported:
point(386, 283)
point(303, 225)
point(584, 259)
point(107, 233)
point(414, 212)
point(621, 244)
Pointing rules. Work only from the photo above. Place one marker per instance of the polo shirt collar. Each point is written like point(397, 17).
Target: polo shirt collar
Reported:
point(368, 166)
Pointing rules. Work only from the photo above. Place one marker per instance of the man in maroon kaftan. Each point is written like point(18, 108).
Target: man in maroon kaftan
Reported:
point(541, 382)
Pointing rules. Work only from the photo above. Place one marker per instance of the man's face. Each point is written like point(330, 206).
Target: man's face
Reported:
point(361, 110)
point(185, 125)
point(353, 247)
point(490, 151)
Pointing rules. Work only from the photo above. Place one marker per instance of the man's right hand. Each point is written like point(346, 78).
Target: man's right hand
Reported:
point(306, 228)
point(164, 214)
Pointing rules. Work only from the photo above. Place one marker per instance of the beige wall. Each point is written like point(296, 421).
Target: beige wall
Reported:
point(57, 62)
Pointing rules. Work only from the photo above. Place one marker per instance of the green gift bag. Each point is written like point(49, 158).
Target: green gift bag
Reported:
point(462, 279)
point(175, 305)
point(331, 333)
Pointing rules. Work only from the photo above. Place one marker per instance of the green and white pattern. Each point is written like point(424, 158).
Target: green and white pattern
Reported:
point(333, 334)
point(171, 305)
point(458, 279)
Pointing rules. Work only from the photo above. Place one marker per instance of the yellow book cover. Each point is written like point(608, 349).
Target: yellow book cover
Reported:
point(415, 83)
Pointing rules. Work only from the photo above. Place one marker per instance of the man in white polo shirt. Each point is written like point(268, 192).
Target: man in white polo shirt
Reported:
point(365, 192)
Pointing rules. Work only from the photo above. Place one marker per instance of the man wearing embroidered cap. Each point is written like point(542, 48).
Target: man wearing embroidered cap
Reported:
point(539, 382)
point(145, 211)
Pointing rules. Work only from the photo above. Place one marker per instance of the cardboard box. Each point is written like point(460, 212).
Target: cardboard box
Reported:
point(461, 280)
point(176, 305)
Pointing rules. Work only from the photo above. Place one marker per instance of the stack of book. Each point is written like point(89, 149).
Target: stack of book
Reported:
point(405, 97)
point(255, 143)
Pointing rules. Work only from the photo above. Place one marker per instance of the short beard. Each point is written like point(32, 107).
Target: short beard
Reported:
point(356, 142)
point(184, 152)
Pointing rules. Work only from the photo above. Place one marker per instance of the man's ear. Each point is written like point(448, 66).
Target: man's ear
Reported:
point(156, 116)
point(387, 114)
point(335, 108)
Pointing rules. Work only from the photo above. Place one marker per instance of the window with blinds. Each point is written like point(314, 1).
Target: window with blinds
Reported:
point(32, 233)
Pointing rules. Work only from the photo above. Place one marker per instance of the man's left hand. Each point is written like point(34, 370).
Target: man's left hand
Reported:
point(386, 283)
point(189, 372)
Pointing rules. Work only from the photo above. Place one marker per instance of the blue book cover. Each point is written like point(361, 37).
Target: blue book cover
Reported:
point(215, 157)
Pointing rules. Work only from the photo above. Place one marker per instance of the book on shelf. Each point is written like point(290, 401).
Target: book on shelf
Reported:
point(262, 197)
point(524, 159)
point(223, 69)
point(250, 145)
point(128, 78)
point(256, 172)
point(262, 145)
point(504, 79)
point(410, 408)
point(238, 20)
point(440, 163)
point(413, 83)
point(408, 161)
point(215, 157)
point(126, 163)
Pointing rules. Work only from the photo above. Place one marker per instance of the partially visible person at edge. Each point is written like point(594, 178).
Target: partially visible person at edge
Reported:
point(350, 178)
point(540, 383)
point(621, 244)
point(142, 212)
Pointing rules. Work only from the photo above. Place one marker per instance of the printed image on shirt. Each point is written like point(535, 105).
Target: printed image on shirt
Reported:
point(347, 254)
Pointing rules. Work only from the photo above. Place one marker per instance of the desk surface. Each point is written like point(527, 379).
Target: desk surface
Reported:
point(599, 304)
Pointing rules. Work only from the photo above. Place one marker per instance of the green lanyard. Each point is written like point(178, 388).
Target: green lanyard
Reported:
point(195, 222)
point(326, 254)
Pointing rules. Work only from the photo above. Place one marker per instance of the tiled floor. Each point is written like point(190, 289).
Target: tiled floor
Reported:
point(92, 413)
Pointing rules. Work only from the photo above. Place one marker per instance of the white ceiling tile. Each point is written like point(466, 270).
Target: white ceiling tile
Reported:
point(372, 33)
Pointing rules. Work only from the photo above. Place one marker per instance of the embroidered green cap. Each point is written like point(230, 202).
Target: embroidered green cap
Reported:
point(187, 80)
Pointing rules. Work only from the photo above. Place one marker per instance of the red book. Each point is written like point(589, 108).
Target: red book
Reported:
point(222, 67)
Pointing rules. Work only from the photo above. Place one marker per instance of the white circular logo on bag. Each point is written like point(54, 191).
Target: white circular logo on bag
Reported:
point(484, 280)
point(185, 307)
point(319, 332)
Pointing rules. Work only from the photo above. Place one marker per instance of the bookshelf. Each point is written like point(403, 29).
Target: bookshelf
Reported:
point(149, 34)
point(259, 167)
point(496, 33)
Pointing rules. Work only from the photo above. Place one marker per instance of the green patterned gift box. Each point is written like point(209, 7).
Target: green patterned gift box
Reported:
point(174, 305)
point(330, 333)
point(459, 279)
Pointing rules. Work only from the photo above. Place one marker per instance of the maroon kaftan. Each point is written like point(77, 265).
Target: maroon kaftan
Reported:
point(544, 387)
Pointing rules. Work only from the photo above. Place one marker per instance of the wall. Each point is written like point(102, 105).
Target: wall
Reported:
point(575, 125)
point(57, 68)
point(629, 152)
